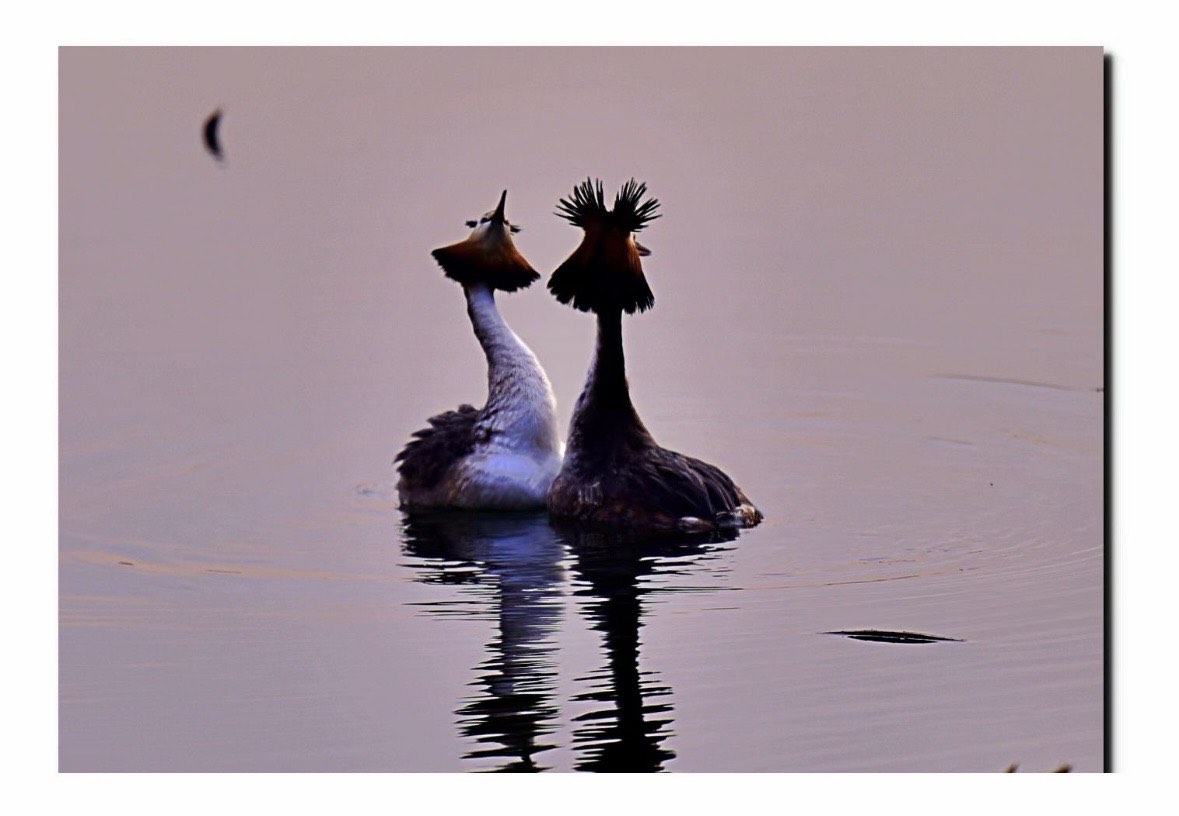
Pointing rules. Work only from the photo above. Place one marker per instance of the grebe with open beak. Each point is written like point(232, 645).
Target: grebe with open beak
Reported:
point(614, 474)
point(505, 454)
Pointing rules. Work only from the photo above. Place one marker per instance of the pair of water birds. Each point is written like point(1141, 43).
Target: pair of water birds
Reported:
point(507, 455)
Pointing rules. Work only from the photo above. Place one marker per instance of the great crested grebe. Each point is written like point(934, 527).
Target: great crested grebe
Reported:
point(505, 454)
point(614, 473)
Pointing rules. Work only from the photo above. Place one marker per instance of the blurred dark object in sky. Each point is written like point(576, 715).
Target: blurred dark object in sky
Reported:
point(212, 141)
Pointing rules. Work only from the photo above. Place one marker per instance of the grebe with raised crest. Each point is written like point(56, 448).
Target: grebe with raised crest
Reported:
point(505, 454)
point(614, 474)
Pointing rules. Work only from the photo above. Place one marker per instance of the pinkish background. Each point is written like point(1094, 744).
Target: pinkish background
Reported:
point(878, 285)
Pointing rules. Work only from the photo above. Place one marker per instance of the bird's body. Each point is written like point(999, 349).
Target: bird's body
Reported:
point(614, 473)
point(505, 454)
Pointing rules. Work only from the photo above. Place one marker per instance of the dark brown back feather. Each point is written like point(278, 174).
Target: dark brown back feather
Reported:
point(429, 455)
point(678, 485)
point(652, 488)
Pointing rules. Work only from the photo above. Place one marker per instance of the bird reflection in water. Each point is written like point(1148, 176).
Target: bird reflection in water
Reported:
point(514, 567)
point(512, 562)
point(612, 572)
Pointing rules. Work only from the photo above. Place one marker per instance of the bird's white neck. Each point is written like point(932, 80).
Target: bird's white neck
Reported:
point(520, 402)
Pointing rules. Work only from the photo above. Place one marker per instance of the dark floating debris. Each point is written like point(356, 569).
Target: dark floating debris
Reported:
point(127, 563)
point(882, 636)
point(212, 140)
point(1062, 768)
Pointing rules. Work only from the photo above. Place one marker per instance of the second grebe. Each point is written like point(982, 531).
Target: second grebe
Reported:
point(505, 454)
point(614, 474)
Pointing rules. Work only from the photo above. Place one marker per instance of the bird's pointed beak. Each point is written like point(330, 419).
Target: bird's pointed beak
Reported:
point(643, 251)
point(497, 217)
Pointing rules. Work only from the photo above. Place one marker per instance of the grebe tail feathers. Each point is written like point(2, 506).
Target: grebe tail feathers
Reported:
point(652, 488)
point(425, 460)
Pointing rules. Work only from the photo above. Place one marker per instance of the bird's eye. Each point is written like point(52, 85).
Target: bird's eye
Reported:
point(472, 224)
point(484, 220)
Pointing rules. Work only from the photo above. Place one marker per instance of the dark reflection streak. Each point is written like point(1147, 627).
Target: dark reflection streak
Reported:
point(512, 562)
point(628, 733)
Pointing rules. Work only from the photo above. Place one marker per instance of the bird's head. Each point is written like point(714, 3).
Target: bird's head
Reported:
point(605, 272)
point(488, 255)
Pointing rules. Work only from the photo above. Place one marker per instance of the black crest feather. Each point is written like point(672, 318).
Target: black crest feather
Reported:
point(630, 211)
point(605, 272)
point(586, 206)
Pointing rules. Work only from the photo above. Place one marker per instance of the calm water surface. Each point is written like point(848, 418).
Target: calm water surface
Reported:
point(879, 301)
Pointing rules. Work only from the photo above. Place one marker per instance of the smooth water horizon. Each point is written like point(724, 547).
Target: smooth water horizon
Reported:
point(879, 305)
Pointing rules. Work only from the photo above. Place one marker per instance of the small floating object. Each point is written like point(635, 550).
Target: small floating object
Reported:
point(1062, 768)
point(883, 636)
point(212, 140)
